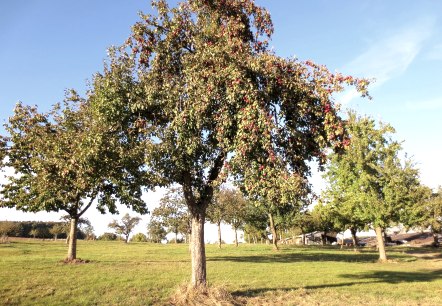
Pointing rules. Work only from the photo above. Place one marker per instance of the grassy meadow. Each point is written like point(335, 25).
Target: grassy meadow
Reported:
point(32, 273)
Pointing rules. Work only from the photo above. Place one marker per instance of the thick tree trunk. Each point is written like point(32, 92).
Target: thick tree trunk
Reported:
point(72, 248)
point(197, 250)
point(219, 235)
point(303, 239)
point(381, 245)
point(273, 230)
point(236, 237)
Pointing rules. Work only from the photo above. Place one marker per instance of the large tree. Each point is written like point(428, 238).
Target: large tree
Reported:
point(63, 160)
point(369, 180)
point(210, 98)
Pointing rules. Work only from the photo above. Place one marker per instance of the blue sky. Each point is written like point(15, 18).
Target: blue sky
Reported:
point(49, 46)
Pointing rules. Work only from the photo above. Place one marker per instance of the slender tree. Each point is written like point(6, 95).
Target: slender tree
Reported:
point(216, 213)
point(125, 227)
point(172, 212)
point(211, 98)
point(64, 160)
point(235, 209)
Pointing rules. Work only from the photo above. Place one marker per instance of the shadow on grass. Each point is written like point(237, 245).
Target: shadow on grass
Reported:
point(303, 257)
point(387, 277)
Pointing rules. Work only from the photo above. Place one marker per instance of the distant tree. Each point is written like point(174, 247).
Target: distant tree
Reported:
point(126, 226)
point(255, 223)
point(108, 237)
point(235, 206)
point(57, 230)
point(35, 232)
point(8, 229)
point(139, 237)
point(216, 213)
point(64, 160)
point(368, 181)
point(304, 223)
point(172, 213)
point(156, 231)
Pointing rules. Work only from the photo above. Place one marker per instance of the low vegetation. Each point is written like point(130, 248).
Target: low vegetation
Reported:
point(115, 273)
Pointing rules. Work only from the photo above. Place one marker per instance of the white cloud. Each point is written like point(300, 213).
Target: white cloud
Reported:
point(390, 56)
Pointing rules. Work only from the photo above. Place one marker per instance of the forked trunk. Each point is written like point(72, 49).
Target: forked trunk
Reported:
point(381, 244)
point(197, 250)
point(72, 248)
point(219, 235)
point(273, 230)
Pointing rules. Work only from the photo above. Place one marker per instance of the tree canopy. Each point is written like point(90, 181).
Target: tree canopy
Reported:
point(368, 182)
point(209, 99)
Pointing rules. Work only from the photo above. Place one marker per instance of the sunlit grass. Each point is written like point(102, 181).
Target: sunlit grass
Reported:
point(31, 272)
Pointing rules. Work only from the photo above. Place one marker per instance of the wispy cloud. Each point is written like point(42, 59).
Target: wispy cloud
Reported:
point(389, 56)
point(435, 53)
point(425, 105)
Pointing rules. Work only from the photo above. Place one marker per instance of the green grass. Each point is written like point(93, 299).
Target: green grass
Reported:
point(31, 272)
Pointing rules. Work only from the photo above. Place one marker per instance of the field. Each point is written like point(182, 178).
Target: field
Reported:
point(31, 272)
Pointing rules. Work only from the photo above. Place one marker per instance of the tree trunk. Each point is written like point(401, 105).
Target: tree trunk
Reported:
point(354, 238)
point(303, 239)
point(273, 230)
point(324, 238)
point(219, 235)
point(236, 237)
point(435, 239)
point(176, 237)
point(381, 245)
point(197, 249)
point(72, 248)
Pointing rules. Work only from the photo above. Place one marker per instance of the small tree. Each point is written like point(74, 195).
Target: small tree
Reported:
point(172, 213)
point(235, 209)
point(139, 237)
point(57, 229)
point(155, 231)
point(126, 226)
point(8, 229)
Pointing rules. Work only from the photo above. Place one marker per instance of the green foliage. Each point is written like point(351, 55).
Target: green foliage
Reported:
point(155, 231)
point(108, 237)
point(139, 237)
point(172, 212)
point(126, 226)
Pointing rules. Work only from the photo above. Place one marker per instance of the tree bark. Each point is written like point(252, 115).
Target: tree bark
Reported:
point(219, 234)
point(354, 238)
point(236, 237)
point(72, 248)
point(303, 239)
point(381, 245)
point(324, 238)
point(197, 249)
point(435, 239)
point(273, 230)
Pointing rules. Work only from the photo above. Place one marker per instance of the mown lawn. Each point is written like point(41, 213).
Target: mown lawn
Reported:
point(31, 273)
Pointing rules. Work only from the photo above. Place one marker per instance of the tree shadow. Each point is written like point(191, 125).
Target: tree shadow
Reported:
point(281, 257)
point(372, 277)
